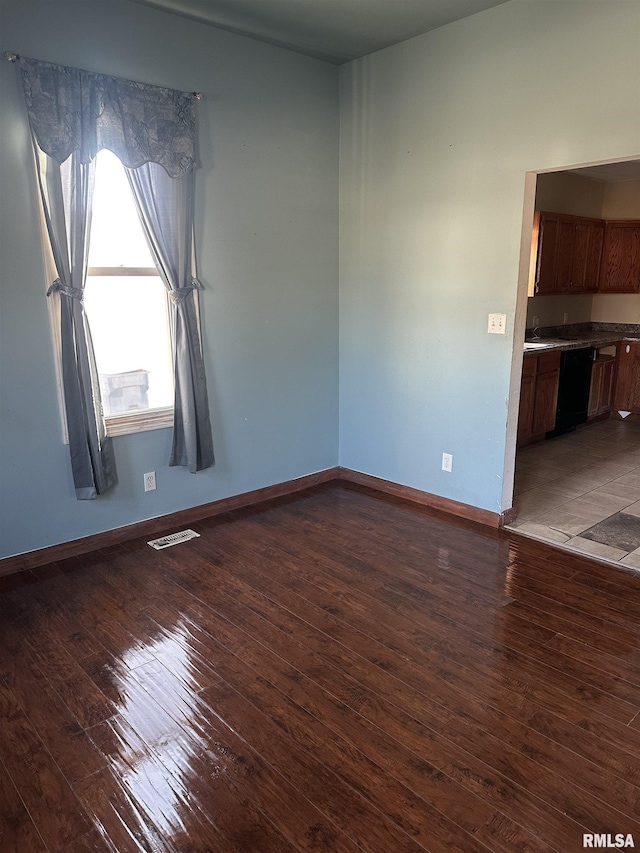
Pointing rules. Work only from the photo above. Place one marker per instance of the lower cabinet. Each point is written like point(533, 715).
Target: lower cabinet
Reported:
point(538, 395)
point(627, 393)
point(602, 374)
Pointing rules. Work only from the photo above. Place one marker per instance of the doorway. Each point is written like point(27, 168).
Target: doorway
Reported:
point(581, 489)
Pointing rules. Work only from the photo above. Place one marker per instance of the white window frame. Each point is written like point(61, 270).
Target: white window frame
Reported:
point(146, 419)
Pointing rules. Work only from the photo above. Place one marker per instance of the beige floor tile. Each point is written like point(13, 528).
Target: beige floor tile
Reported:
point(543, 531)
point(631, 479)
point(568, 488)
point(632, 559)
point(600, 448)
point(579, 482)
point(542, 450)
point(573, 517)
point(569, 483)
point(536, 501)
point(634, 509)
point(624, 458)
point(616, 466)
point(619, 490)
point(575, 459)
point(565, 463)
point(537, 476)
point(595, 548)
point(607, 502)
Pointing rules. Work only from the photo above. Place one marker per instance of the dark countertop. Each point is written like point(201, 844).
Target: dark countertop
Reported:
point(577, 341)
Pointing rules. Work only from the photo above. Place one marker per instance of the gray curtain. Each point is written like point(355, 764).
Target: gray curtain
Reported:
point(166, 206)
point(73, 114)
point(66, 192)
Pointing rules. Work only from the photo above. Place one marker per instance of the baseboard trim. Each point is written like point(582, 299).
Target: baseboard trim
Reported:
point(451, 507)
point(76, 547)
point(151, 526)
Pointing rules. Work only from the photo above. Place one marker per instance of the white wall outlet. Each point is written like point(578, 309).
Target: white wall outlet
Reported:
point(535, 320)
point(150, 481)
point(565, 317)
point(447, 462)
point(497, 324)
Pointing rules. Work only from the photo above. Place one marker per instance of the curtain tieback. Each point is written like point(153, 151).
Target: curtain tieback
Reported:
point(60, 287)
point(177, 296)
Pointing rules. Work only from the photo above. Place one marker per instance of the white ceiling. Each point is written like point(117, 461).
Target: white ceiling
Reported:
point(626, 170)
point(334, 30)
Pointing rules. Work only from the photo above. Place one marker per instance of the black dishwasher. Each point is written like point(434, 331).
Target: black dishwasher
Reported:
point(573, 390)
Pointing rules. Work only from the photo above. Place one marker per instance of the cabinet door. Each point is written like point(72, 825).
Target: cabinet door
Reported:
point(525, 419)
point(627, 392)
point(564, 254)
point(607, 385)
point(620, 272)
point(587, 255)
point(546, 402)
point(594, 258)
point(601, 386)
point(547, 249)
point(595, 394)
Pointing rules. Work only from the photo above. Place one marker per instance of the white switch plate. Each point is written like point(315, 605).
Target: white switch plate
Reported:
point(497, 324)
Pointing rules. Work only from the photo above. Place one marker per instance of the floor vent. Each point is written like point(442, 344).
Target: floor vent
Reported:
point(172, 539)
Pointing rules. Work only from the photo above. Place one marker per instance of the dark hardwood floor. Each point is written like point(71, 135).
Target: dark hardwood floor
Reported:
point(330, 672)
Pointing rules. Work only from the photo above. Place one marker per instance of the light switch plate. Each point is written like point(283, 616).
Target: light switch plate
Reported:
point(497, 324)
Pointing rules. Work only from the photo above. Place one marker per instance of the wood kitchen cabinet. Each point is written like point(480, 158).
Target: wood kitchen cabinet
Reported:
point(556, 240)
point(620, 269)
point(627, 390)
point(538, 396)
point(527, 398)
point(587, 255)
point(569, 252)
point(602, 374)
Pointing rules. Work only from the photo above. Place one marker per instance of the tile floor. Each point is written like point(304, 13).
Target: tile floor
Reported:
point(567, 486)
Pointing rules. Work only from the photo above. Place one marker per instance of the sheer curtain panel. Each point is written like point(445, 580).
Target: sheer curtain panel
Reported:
point(166, 207)
point(66, 192)
point(73, 114)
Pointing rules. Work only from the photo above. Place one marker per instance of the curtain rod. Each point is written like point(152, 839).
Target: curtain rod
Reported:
point(13, 57)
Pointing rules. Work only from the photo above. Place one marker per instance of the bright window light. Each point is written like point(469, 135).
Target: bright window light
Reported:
point(126, 303)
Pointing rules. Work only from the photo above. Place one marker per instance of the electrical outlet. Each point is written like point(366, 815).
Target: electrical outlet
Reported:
point(497, 324)
point(565, 317)
point(447, 462)
point(535, 320)
point(150, 481)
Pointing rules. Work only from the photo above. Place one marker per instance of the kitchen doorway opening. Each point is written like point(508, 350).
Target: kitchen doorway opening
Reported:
point(576, 482)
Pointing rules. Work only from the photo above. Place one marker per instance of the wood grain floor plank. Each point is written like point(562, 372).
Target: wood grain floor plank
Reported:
point(43, 789)
point(329, 671)
point(18, 833)
point(593, 777)
point(413, 771)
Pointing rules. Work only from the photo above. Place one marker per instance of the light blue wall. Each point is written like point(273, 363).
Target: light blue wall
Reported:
point(437, 134)
point(267, 218)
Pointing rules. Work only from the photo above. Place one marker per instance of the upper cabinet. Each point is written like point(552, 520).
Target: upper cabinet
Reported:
point(556, 241)
point(620, 271)
point(587, 255)
point(575, 254)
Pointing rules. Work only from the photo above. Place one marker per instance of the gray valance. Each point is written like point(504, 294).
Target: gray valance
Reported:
point(71, 110)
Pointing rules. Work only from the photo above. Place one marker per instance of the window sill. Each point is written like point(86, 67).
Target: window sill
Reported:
point(142, 421)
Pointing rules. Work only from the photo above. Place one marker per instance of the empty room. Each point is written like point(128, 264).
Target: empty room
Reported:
point(319, 426)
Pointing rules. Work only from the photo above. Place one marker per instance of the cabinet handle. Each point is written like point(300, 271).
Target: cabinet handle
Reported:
point(627, 349)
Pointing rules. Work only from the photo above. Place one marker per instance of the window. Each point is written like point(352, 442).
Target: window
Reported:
point(127, 308)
